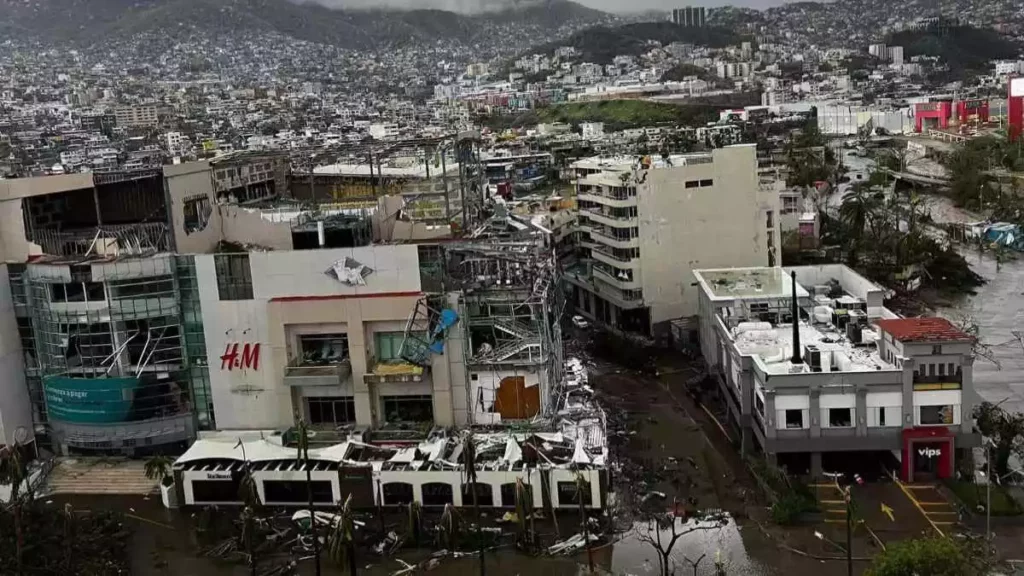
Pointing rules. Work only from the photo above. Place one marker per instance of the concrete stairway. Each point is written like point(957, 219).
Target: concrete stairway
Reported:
point(98, 476)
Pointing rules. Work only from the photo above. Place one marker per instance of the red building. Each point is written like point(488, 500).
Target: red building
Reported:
point(928, 449)
point(933, 115)
point(1015, 108)
point(972, 111)
point(942, 114)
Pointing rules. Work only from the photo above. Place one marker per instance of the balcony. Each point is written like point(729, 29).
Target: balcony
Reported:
point(616, 201)
point(609, 220)
point(317, 375)
point(625, 299)
point(608, 277)
point(393, 371)
point(605, 255)
point(939, 381)
point(614, 242)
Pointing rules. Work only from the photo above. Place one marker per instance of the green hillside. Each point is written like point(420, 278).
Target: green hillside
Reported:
point(602, 44)
point(962, 48)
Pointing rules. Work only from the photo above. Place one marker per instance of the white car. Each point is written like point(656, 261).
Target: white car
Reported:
point(580, 322)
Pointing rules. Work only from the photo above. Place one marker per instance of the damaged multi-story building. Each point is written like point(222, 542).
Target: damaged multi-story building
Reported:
point(646, 222)
point(819, 376)
point(204, 300)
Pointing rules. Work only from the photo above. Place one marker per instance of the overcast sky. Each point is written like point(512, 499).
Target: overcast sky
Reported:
point(607, 5)
point(638, 5)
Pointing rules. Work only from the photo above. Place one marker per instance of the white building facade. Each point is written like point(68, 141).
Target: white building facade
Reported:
point(646, 225)
point(852, 385)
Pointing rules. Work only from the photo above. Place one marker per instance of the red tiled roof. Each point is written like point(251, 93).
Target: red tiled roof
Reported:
point(922, 330)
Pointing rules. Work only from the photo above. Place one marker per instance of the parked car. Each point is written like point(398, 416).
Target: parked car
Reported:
point(580, 322)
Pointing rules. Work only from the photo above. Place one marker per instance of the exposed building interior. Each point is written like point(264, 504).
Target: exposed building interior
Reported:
point(122, 210)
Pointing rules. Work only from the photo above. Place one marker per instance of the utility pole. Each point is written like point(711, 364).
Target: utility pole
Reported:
point(988, 490)
point(849, 533)
point(847, 493)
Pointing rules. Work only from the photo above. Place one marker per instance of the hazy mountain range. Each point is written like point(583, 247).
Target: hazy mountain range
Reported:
point(90, 21)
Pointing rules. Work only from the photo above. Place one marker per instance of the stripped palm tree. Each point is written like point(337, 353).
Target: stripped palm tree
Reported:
point(449, 528)
point(250, 495)
point(249, 537)
point(415, 513)
point(583, 487)
point(524, 508)
point(469, 463)
point(69, 537)
point(303, 457)
point(341, 540)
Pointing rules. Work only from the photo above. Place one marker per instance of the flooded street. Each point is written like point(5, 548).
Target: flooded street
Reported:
point(998, 308)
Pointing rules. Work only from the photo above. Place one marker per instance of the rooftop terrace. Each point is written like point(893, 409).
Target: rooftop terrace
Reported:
point(734, 283)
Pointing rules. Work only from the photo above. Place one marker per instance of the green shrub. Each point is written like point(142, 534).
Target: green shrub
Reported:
point(788, 509)
point(974, 495)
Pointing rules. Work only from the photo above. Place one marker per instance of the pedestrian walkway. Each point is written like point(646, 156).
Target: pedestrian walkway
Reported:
point(831, 501)
point(933, 505)
point(98, 476)
point(885, 508)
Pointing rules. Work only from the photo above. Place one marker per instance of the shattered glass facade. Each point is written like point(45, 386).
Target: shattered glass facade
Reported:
point(114, 352)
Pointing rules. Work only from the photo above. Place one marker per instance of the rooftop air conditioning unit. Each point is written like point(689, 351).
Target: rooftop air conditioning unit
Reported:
point(855, 333)
point(812, 356)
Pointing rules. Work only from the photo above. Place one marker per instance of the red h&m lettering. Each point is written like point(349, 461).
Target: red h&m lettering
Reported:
point(249, 360)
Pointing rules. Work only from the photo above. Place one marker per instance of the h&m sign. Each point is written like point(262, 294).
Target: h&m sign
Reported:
point(243, 356)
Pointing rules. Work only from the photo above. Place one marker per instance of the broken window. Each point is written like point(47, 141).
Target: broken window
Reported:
point(28, 341)
point(322, 349)
point(330, 410)
point(794, 419)
point(86, 345)
point(570, 493)
point(216, 491)
point(196, 211)
point(157, 286)
point(408, 408)
point(437, 494)
point(234, 277)
point(937, 415)
point(294, 491)
point(77, 292)
point(484, 494)
point(508, 495)
point(396, 493)
point(840, 417)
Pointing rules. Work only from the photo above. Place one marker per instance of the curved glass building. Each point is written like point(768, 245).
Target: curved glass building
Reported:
point(109, 364)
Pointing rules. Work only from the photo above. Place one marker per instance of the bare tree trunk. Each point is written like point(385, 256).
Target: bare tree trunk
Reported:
point(479, 532)
point(19, 530)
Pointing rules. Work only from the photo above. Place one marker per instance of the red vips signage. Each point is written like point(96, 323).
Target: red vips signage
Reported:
point(241, 356)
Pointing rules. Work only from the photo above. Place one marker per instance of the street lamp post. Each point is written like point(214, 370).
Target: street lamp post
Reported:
point(848, 497)
point(988, 491)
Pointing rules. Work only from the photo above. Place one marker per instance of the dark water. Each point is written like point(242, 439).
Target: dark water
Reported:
point(165, 544)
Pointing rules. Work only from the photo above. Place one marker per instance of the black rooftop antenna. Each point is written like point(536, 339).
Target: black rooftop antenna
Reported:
point(796, 323)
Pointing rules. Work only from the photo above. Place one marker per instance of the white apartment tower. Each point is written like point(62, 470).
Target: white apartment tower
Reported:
point(646, 223)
